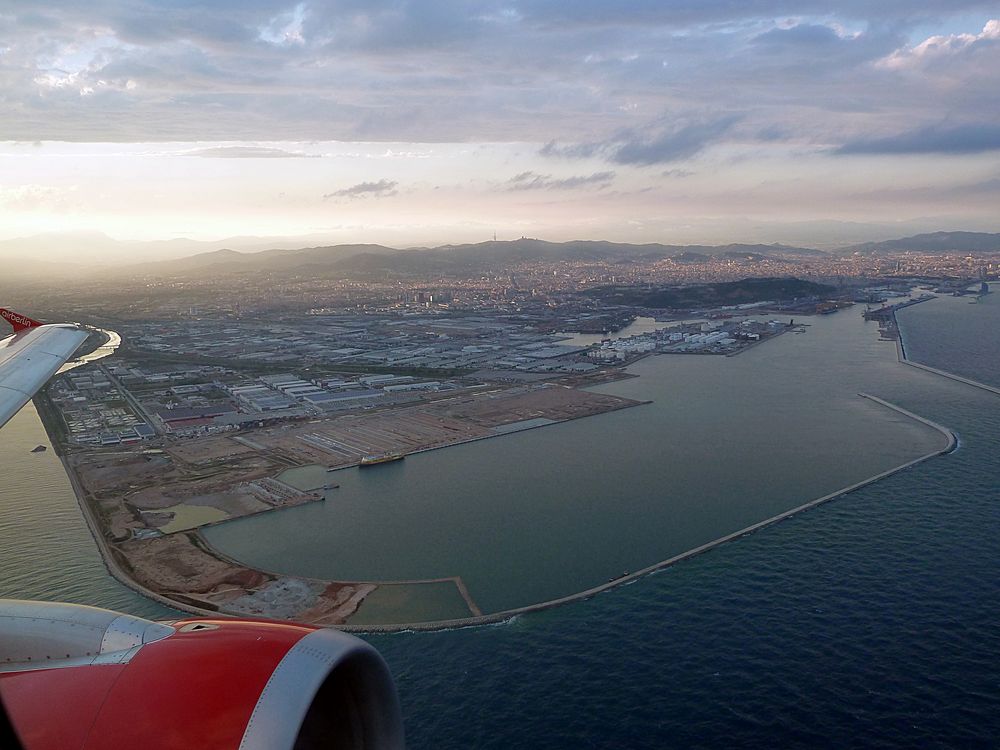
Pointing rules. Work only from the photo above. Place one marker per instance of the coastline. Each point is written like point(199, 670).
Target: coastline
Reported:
point(111, 563)
point(107, 555)
point(526, 428)
point(121, 565)
point(117, 572)
point(498, 617)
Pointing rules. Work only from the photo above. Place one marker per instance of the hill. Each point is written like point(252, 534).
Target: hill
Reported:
point(365, 260)
point(709, 295)
point(932, 242)
point(487, 255)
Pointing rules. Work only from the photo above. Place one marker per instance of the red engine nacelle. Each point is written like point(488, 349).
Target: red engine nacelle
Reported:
point(81, 677)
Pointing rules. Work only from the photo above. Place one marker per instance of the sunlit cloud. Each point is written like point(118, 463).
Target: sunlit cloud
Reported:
point(32, 198)
point(285, 28)
point(941, 46)
point(249, 152)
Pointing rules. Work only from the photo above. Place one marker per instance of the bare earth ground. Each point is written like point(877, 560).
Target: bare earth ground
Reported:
point(135, 494)
point(342, 441)
point(180, 567)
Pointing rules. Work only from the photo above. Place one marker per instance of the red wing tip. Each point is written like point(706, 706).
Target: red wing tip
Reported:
point(20, 322)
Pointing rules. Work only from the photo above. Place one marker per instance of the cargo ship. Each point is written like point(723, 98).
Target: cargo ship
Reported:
point(380, 458)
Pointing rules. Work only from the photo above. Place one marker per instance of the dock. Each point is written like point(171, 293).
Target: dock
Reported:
point(886, 316)
point(886, 312)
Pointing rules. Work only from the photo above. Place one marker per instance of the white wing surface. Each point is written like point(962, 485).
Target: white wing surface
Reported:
point(29, 358)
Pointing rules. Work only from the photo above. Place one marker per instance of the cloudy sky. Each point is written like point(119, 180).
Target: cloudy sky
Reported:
point(445, 120)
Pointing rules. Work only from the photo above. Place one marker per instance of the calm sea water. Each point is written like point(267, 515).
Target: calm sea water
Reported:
point(534, 516)
point(956, 335)
point(46, 550)
point(868, 622)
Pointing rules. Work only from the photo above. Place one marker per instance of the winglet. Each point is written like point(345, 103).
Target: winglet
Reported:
point(20, 322)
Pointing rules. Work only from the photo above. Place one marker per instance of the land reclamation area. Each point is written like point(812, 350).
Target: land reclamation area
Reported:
point(147, 505)
point(489, 527)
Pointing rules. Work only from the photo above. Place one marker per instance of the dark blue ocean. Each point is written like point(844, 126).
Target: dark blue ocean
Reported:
point(871, 621)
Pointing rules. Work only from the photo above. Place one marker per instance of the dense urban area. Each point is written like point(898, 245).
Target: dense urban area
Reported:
point(232, 373)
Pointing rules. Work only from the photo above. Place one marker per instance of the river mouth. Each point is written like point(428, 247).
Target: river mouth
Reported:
point(106, 349)
point(523, 519)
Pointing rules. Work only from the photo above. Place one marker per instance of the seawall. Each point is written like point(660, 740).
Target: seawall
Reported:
point(948, 447)
point(902, 357)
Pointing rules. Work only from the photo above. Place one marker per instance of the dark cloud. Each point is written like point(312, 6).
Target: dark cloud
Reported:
point(395, 27)
point(380, 189)
point(817, 54)
point(535, 181)
point(773, 133)
point(983, 194)
point(571, 150)
point(682, 140)
point(936, 139)
point(686, 12)
point(673, 144)
point(580, 74)
point(249, 152)
point(811, 35)
point(34, 20)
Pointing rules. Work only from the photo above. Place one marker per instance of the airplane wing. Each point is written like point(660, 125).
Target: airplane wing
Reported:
point(89, 678)
point(30, 357)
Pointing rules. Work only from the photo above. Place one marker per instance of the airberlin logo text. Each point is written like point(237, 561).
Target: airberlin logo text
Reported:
point(18, 320)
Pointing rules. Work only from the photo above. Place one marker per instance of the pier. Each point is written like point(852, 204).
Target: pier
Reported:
point(886, 316)
point(886, 312)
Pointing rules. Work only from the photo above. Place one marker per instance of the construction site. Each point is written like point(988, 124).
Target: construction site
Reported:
point(146, 505)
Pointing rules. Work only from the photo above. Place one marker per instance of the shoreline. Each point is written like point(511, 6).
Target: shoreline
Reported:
point(107, 555)
point(498, 617)
point(112, 564)
point(465, 441)
point(118, 564)
point(119, 574)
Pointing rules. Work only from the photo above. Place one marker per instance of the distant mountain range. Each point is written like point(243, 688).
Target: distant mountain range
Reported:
point(278, 260)
point(379, 259)
point(97, 247)
point(500, 255)
point(702, 295)
point(366, 260)
point(933, 242)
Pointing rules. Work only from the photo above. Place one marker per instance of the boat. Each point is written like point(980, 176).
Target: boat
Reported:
point(39, 449)
point(380, 458)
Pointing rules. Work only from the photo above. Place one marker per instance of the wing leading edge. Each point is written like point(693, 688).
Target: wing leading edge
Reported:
point(238, 684)
point(30, 357)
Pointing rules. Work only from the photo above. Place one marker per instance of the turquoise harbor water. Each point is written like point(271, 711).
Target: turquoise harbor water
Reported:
point(871, 621)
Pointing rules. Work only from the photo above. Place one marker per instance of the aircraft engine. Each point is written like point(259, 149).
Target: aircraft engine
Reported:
point(77, 676)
